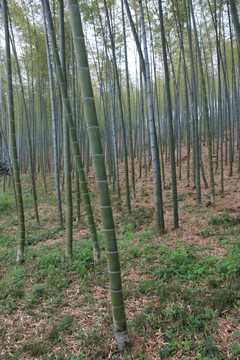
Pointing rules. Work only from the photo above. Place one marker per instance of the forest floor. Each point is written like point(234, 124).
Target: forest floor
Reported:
point(181, 290)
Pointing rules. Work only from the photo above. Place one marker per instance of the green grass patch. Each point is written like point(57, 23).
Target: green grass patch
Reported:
point(229, 267)
point(225, 220)
point(181, 289)
point(6, 203)
point(183, 264)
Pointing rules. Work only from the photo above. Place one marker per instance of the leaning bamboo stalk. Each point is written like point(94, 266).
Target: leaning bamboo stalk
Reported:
point(119, 319)
point(54, 130)
point(73, 135)
point(66, 144)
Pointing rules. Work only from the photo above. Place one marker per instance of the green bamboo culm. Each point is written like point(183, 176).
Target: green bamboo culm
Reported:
point(235, 19)
point(54, 130)
point(31, 164)
point(66, 142)
point(73, 133)
point(118, 311)
point(206, 112)
point(16, 173)
point(170, 120)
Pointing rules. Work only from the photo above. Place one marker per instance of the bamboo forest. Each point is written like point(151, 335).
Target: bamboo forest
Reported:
point(119, 179)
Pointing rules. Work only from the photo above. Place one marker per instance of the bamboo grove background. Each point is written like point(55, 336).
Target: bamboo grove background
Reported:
point(165, 75)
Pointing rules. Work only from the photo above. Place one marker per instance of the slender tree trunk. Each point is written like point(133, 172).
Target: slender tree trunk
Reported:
point(16, 173)
point(66, 145)
point(75, 146)
point(120, 111)
point(170, 125)
point(152, 133)
point(54, 129)
point(119, 319)
point(112, 112)
point(196, 152)
point(128, 103)
point(31, 165)
point(206, 114)
point(235, 19)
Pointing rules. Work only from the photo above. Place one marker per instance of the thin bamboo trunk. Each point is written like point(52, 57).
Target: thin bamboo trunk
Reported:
point(119, 319)
point(75, 146)
point(16, 173)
